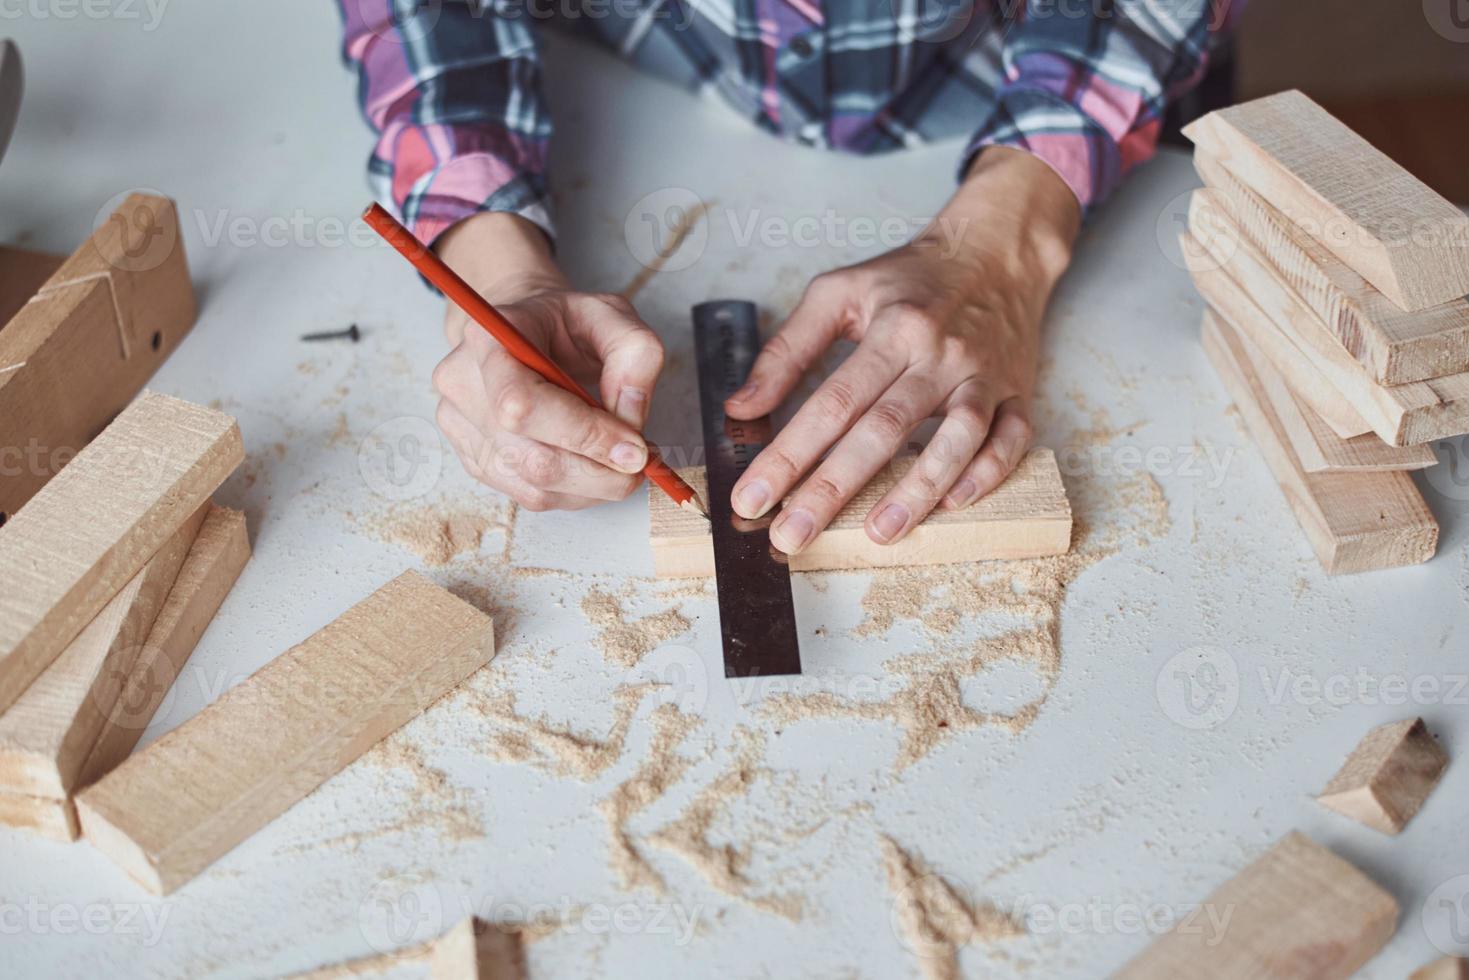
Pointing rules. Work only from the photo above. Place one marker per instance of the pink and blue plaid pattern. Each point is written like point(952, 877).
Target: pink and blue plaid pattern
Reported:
point(452, 87)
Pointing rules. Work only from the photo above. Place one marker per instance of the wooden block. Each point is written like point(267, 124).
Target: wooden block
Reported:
point(1317, 448)
point(1027, 516)
point(70, 550)
point(78, 352)
point(56, 819)
point(1448, 968)
point(1387, 777)
point(46, 734)
point(1369, 212)
point(1402, 415)
point(1395, 346)
point(1297, 911)
point(1355, 522)
point(171, 810)
point(214, 563)
point(478, 950)
point(22, 272)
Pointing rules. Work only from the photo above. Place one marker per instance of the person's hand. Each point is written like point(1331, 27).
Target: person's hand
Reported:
point(513, 430)
point(948, 325)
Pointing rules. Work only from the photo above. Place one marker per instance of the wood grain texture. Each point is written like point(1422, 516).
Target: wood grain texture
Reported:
point(22, 272)
point(135, 485)
point(1297, 911)
point(78, 352)
point(46, 734)
point(1401, 415)
point(1027, 516)
point(1317, 448)
point(209, 572)
point(1394, 345)
point(478, 950)
point(171, 810)
point(1387, 777)
point(43, 815)
point(1355, 522)
point(1369, 212)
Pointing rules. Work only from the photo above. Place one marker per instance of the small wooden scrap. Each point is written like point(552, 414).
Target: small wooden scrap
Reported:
point(1387, 777)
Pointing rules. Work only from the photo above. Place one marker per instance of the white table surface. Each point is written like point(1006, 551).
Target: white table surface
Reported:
point(1109, 803)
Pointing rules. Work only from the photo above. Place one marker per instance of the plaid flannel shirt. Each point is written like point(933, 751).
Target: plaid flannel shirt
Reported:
point(452, 87)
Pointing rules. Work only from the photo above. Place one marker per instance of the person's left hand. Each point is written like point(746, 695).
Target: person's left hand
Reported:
point(947, 325)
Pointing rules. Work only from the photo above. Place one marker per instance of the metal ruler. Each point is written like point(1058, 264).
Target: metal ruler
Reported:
point(757, 618)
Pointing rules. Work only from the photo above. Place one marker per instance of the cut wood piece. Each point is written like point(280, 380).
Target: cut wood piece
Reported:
point(1371, 213)
point(1355, 522)
point(1297, 911)
point(22, 272)
point(1387, 777)
point(46, 734)
point(78, 352)
point(1402, 415)
point(1448, 968)
point(56, 819)
point(171, 810)
point(79, 541)
point(214, 563)
point(1317, 448)
point(1395, 346)
point(478, 950)
point(1027, 516)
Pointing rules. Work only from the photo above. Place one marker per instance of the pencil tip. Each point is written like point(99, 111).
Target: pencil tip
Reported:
point(697, 506)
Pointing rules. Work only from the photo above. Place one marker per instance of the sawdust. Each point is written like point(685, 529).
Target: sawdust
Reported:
point(935, 917)
point(438, 534)
point(624, 642)
point(557, 748)
point(371, 966)
point(435, 800)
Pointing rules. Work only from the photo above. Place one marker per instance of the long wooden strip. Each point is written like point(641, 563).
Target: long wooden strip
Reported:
point(214, 563)
point(1027, 516)
point(1371, 213)
point(1297, 912)
point(46, 734)
point(1401, 415)
point(89, 530)
point(1394, 345)
point(171, 810)
point(78, 352)
point(1355, 522)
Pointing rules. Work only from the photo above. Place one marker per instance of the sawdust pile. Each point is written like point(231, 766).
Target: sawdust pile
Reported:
point(438, 534)
point(436, 802)
point(522, 739)
point(935, 917)
point(626, 642)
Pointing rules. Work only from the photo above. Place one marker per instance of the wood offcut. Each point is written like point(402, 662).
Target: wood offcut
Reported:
point(1387, 777)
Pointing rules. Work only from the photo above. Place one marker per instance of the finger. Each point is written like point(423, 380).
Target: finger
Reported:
point(869, 445)
point(1008, 440)
point(818, 319)
point(933, 473)
point(608, 330)
point(825, 417)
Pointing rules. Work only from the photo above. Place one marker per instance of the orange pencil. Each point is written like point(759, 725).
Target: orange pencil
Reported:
point(480, 311)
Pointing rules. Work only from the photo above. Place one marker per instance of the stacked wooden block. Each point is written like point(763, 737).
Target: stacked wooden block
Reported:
point(1337, 319)
point(112, 571)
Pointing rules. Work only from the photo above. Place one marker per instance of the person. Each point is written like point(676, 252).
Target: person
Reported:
point(1059, 99)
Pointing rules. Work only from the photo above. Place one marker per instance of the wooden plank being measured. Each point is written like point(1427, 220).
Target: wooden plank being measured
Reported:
point(78, 352)
point(1371, 213)
point(1027, 516)
point(1387, 777)
point(171, 810)
point(1355, 522)
point(22, 272)
point(46, 734)
point(1401, 415)
point(1394, 345)
point(89, 530)
point(1297, 912)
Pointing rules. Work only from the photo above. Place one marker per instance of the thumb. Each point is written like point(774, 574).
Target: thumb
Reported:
point(817, 320)
point(631, 355)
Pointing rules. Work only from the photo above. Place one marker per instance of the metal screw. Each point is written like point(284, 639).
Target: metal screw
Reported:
point(351, 332)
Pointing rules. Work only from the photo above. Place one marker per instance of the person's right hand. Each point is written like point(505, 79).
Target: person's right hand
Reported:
point(513, 430)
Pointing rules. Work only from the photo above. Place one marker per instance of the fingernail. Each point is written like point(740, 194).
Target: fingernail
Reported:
point(793, 530)
point(890, 521)
point(745, 393)
point(628, 457)
point(631, 405)
point(962, 493)
point(752, 499)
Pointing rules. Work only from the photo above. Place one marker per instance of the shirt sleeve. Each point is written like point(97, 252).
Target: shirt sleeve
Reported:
point(453, 91)
point(1085, 85)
